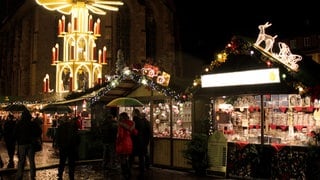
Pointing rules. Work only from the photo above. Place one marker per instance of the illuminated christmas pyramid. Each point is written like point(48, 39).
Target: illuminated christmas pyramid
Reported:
point(79, 67)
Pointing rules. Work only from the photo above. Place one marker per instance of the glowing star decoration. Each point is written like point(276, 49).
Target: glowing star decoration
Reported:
point(66, 6)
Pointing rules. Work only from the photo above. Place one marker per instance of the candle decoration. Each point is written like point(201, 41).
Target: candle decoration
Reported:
point(100, 56)
point(59, 27)
point(53, 55)
point(90, 23)
point(75, 23)
point(69, 27)
point(63, 24)
point(57, 52)
point(98, 26)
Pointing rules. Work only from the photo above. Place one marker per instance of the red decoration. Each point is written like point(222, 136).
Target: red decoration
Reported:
point(242, 144)
point(283, 109)
point(277, 147)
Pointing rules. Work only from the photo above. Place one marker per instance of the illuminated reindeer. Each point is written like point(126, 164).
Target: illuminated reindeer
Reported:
point(263, 37)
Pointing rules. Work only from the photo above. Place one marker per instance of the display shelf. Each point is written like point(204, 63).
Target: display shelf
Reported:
point(284, 121)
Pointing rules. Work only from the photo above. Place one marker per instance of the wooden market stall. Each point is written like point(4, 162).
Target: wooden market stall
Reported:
point(169, 115)
point(258, 104)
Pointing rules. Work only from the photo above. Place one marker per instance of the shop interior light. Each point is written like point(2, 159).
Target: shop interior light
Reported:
point(260, 76)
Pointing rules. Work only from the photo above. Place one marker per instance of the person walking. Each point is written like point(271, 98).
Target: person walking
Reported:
point(124, 143)
point(10, 142)
point(109, 129)
point(140, 141)
point(38, 120)
point(68, 140)
point(25, 132)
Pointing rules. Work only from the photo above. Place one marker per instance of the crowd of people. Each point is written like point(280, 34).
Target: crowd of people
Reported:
point(123, 140)
point(19, 134)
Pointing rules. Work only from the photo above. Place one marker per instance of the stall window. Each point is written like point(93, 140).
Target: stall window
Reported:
point(161, 116)
point(181, 118)
point(180, 126)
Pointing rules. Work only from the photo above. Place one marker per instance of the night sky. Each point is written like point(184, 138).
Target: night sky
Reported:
point(207, 26)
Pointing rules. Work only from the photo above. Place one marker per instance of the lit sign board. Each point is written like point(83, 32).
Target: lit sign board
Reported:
point(250, 77)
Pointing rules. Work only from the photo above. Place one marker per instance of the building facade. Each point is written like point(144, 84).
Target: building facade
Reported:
point(307, 44)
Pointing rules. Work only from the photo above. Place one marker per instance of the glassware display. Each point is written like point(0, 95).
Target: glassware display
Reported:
point(288, 118)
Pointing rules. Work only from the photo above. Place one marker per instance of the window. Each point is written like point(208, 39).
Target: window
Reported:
point(293, 44)
point(306, 42)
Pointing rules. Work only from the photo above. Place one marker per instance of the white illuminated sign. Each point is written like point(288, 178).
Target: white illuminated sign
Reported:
point(251, 77)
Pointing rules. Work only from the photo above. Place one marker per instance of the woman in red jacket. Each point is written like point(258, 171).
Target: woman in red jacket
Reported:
point(124, 143)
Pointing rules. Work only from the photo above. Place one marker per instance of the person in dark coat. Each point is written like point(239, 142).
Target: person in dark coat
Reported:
point(68, 140)
point(147, 136)
point(39, 121)
point(140, 141)
point(25, 132)
point(8, 135)
point(109, 129)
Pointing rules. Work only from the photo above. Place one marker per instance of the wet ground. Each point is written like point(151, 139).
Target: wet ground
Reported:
point(47, 163)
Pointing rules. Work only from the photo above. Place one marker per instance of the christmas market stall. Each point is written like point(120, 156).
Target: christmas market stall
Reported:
point(165, 108)
point(263, 100)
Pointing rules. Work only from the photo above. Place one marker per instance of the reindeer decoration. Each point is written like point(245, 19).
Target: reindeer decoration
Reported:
point(263, 37)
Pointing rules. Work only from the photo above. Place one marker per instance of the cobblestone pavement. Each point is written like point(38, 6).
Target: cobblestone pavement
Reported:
point(47, 163)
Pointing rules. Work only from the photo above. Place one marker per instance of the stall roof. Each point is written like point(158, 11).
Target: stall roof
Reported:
point(127, 87)
point(121, 90)
point(124, 88)
point(248, 58)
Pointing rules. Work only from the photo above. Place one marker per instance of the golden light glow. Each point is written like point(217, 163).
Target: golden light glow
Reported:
point(95, 6)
